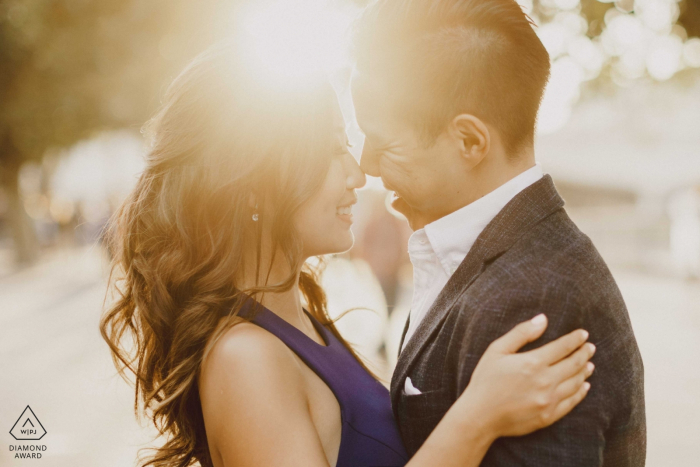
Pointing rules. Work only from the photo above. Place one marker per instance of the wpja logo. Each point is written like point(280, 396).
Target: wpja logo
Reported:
point(28, 428)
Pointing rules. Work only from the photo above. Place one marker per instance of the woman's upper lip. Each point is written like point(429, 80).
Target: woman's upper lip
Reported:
point(350, 203)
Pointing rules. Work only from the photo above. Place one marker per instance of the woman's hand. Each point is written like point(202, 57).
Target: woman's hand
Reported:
point(511, 394)
point(517, 393)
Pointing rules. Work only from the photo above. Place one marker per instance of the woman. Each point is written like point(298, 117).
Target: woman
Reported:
point(235, 357)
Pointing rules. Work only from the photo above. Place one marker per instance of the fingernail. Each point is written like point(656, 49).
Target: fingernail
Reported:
point(539, 320)
point(584, 333)
point(591, 347)
point(590, 366)
point(587, 385)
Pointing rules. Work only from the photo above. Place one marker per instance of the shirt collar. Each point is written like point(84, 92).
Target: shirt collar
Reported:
point(453, 235)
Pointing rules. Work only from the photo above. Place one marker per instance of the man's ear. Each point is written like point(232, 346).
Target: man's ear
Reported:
point(473, 137)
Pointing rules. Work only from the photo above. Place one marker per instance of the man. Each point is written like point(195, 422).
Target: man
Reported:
point(447, 93)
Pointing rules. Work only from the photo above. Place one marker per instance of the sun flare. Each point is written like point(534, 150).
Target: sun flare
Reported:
point(290, 40)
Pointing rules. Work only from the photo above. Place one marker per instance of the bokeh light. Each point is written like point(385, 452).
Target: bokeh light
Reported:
point(640, 39)
point(691, 52)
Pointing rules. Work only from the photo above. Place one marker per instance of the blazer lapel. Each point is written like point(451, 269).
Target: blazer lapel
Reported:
point(405, 330)
point(528, 208)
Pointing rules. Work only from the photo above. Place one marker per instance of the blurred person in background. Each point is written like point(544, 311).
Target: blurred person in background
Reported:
point(223, 322)
point(383, 248)
point(447, 94)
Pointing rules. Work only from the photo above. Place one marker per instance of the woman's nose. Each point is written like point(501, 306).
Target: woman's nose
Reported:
point(356, 177)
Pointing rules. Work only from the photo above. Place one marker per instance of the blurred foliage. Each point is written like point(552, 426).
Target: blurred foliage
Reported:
point(70, 68)
point(690, 17)
point(75, 66)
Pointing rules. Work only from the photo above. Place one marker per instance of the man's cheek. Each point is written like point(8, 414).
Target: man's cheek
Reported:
point(398, 170)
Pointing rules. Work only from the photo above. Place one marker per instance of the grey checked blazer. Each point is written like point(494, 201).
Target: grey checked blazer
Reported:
point(531, 258)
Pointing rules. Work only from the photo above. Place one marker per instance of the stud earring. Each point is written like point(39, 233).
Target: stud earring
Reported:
point(255, 215)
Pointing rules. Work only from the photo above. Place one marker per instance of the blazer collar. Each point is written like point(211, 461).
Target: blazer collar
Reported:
point(524, 211)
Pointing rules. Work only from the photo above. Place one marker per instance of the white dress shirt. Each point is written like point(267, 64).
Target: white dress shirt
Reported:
point(437, 249)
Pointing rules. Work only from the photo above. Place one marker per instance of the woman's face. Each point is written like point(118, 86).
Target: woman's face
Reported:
point(324, 220)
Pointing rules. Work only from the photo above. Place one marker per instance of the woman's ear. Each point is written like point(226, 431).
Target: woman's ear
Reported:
point(473, 137)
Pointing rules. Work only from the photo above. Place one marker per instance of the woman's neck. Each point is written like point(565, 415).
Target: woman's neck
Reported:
point(287, 305)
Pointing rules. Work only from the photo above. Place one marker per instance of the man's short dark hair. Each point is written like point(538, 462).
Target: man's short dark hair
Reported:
point(442, 58)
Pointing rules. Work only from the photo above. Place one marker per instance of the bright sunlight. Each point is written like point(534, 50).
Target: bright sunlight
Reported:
point(293, 39)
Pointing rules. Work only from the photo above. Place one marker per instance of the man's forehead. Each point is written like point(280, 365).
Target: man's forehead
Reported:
point(372, 108)
point(369, 91)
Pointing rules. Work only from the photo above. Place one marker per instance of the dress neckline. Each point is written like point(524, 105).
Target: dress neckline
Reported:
point(320, 329)
point(326, 336)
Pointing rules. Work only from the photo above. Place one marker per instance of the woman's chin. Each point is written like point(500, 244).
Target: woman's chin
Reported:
point(345, 242)
point(339, 244)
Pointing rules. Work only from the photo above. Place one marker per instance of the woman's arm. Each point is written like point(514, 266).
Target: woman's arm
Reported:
point(254, 403)
point(511, 394)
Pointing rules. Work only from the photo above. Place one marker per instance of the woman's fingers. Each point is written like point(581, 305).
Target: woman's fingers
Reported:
point(570, 386)
point(567, 405)
point(554, 351)
point(574, 363)
point(520, 335)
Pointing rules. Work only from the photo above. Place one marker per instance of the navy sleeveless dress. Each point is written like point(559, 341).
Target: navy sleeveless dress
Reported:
point(369, 435)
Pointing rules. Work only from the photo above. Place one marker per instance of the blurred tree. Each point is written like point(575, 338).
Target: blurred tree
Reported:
point(73, 67)
point(690, 17)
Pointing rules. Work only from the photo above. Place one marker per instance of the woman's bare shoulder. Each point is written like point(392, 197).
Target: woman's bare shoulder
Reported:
point(251, 388)
point(253, 395)
point(245, 350)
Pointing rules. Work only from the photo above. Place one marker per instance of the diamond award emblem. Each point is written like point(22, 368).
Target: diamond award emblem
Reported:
point(28, 427)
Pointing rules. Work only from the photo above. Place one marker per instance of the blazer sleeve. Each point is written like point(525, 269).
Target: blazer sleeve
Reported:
point(588, 435)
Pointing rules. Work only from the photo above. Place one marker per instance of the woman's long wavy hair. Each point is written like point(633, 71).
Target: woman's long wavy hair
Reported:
point(183, 236)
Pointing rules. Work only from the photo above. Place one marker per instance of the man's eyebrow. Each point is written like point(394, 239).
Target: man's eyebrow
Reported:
point(380, 145)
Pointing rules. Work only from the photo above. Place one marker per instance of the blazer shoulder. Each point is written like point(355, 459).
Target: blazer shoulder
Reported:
point(553, 255)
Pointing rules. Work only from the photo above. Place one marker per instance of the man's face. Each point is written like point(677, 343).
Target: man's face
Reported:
point(421, 177)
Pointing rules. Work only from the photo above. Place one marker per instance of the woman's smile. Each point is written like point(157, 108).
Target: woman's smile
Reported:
point(344, 213)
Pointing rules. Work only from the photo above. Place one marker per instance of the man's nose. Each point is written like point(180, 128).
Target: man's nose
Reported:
point(356, 177)
point(369, 161)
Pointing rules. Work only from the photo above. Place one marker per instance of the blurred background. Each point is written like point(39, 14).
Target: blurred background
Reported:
point(619, 130)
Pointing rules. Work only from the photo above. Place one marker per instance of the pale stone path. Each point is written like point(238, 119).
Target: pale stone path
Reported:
point(53, 359)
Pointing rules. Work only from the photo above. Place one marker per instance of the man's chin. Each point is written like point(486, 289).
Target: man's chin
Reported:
point(401, 206)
